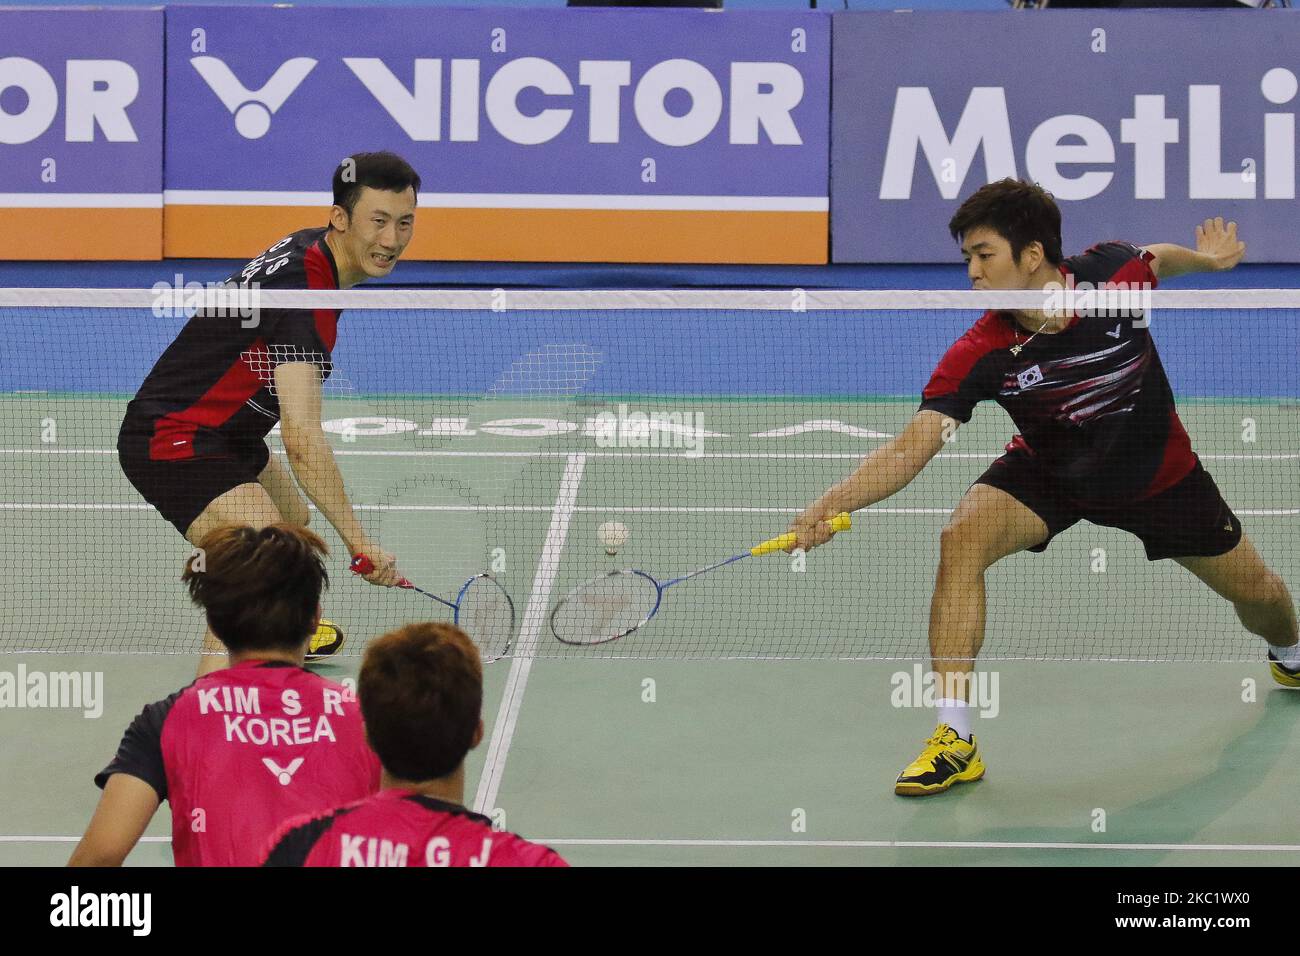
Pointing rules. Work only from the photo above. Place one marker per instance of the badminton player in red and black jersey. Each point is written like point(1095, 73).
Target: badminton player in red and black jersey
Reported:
point(421, 692)
point(240, 750)
point(192, 441)
point(1100, 440)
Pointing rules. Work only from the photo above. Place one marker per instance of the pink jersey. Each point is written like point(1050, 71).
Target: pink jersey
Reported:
point(402, 828)
point(243, 749)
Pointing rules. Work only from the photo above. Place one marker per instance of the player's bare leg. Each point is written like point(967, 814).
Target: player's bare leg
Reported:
point(987, 526)
point(248, 504)
point(1261, 600)
point(279, 484)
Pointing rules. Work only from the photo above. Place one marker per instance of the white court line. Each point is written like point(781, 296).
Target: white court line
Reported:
point(577, 509)
point(503, 730)
point(929, 844)
point(446, 453)
point(834, 844)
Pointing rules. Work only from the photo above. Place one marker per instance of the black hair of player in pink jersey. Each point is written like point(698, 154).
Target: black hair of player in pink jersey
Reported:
point(421, 695)
point(1020, 212)
point(260, 588)
point(382, 170)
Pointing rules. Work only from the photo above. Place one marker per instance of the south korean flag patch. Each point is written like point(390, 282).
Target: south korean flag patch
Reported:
point(1030, 376)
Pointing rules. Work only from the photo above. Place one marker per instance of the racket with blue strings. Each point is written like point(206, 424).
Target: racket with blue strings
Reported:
point(482, 609)
point(616, 604)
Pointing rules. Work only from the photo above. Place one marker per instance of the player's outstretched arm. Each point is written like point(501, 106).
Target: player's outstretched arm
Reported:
point(125, 809)
point(298, 388)
point(886, 471)
point(1217, 249)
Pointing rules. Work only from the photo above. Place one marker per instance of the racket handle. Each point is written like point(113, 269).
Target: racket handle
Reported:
point(362, 565)
point(841, 522)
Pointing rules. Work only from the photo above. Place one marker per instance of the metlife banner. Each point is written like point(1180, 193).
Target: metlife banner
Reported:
point(1140, 123)
point(581, 135)
point(81, 131)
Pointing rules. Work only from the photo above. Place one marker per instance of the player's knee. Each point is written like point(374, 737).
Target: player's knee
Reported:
point(962, 543)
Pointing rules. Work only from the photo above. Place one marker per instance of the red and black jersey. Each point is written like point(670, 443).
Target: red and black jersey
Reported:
point(243, 749)
point(212, 389)
point(1092, 401)
point(402, 828)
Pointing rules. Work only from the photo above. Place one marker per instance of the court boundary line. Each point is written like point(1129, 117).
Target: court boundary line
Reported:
point(577, 509)
point(829, 844)
point(672, 455)
point(548, 566)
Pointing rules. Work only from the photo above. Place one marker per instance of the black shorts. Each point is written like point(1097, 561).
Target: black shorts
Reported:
point(180, 490)
point(1189, 519)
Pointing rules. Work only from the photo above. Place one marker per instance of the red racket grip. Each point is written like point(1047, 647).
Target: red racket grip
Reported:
point(362, 565)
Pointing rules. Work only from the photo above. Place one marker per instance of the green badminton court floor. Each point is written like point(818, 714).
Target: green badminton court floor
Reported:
point(758, 720)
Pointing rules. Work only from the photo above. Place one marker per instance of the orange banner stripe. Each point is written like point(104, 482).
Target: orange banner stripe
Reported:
point(89, 234)
point(527, 235)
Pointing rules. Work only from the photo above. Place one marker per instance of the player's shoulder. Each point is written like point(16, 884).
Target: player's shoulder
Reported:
point(149, 723)
point(300, 260)
point(503, 848)
point(990, 331)
point(155, 714)
point(292, 842)
point(1108, 262)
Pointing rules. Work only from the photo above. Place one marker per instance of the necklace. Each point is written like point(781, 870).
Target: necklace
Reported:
point(1015, 349)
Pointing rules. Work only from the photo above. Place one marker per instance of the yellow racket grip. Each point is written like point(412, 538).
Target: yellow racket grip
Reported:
point(841, 522)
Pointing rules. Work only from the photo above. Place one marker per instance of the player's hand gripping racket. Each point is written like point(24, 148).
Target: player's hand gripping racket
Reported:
point(616, 604)
point(483, 609)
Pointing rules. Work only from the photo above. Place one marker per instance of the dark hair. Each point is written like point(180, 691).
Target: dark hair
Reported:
point(260, 588)
point(383, 170)
point(1020, 212)
point(421, 694)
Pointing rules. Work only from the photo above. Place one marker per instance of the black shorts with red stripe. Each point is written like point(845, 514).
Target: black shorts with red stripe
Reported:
point(181, 489)
point(1188, 519)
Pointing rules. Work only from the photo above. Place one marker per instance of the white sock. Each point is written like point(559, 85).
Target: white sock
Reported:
point(1289, 656)
point(956, 714)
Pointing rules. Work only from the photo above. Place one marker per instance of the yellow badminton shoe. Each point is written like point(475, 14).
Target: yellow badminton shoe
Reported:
point(1283, 674)
point(946, 760)
point(325, 643)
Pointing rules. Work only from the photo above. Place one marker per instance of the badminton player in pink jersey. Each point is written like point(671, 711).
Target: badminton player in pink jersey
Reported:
point(240, 750)
point(421, 691)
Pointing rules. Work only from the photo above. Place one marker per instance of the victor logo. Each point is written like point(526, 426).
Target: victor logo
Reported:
point(96, 94)
point(751, 102)
point(252, 109)
point(283, 774)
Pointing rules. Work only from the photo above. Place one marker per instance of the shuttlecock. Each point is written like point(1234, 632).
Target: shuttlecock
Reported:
point(613, 535)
